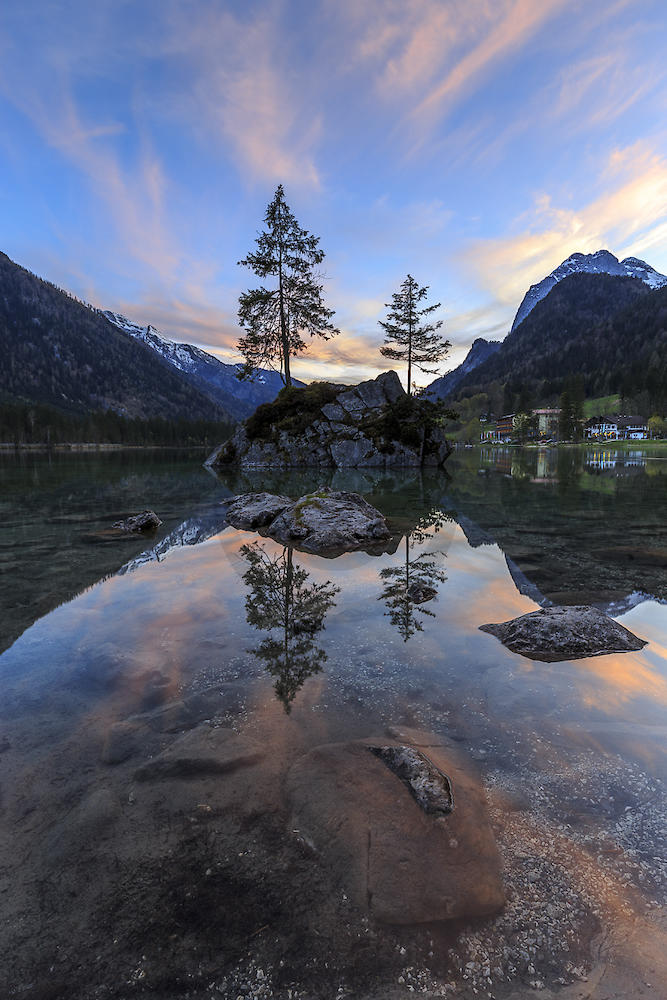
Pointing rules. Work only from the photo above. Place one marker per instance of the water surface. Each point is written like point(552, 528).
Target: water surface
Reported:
point(118, 646)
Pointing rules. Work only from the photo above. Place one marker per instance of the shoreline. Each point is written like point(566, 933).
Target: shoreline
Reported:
point(85, 446)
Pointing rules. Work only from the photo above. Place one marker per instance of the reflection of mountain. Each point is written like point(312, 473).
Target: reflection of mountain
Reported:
point(191, 532)
point(597, 536)
point(282, 603)
point(57, 510)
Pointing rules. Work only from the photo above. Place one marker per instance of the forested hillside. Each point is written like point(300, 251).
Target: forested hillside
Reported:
point(57, 351)
point(611, 331)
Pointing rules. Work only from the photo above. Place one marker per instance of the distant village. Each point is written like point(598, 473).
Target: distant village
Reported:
point(546, 425)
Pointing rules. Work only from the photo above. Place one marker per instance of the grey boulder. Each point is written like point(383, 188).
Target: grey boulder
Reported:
point(327, 521)
point(255, 510)
point(564, 633)
point(147, 520)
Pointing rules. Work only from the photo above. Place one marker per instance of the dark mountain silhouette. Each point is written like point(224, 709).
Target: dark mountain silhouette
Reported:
point(481, 349)
point(207, 373)
point(609, 330)
point(58, 351)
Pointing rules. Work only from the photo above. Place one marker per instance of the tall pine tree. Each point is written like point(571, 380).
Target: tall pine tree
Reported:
point(276, 319)
point(407, 336)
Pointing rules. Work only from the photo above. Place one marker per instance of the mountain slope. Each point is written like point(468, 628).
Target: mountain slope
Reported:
point(57, 351)
point(481, 349)
point(215, 379)
point(610, 330)
point(601, 262)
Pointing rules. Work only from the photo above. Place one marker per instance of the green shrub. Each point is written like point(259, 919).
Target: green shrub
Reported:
point(292, 410)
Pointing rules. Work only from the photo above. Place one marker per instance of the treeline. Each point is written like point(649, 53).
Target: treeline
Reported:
point(34, 423)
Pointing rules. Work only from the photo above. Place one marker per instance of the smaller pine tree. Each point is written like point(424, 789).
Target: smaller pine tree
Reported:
point(407, 336)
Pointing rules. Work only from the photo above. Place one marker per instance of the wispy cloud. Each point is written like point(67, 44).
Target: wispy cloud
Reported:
point(513, 24)
point(246, 89)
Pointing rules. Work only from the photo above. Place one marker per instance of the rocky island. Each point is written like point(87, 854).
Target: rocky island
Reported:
point(373, 424)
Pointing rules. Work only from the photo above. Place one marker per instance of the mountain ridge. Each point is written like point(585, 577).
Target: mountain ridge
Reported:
point(608, 330)
point(61, 352)
point(600, 262)
point(208, 374)
point(480, 350)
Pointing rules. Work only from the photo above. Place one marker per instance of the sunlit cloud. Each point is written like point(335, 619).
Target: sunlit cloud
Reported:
point(630, 215)
point(243, 93)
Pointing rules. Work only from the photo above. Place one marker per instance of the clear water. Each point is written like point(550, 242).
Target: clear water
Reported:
point(98, 630)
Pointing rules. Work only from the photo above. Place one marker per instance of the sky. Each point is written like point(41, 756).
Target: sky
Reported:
point(474, 144)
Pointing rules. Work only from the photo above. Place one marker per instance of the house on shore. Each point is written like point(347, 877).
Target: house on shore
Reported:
point(617, 428)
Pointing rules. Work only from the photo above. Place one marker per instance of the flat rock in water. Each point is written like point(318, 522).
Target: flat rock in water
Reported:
point(328, 521)
point(402, 826)
point(565, 633)
point(147, 520)
point(256, 510)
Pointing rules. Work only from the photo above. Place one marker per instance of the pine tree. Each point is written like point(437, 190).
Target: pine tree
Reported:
point(276, 319)
point(414, 340)
point(566, 420)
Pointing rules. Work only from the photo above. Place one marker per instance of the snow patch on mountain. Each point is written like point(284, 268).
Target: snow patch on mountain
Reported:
point(600, 262)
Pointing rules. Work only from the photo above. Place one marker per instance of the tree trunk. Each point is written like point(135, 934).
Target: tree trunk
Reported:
point(284, 339)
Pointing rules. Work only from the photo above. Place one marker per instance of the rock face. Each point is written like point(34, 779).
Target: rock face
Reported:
point(147, 520)
point(327, 521)
point(407, 861)
point(564, 633)
point(349, 431)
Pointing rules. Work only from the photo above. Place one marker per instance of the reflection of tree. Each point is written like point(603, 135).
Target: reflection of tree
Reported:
point(409, 586)
point(282, 602)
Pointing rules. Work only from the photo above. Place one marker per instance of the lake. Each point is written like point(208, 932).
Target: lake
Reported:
point(155, 705)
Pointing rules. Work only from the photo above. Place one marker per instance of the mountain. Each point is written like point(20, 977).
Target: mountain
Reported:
point(481, 349)
point(57, 351)
point(611, 331)
point(206, 373)
point(601, 262)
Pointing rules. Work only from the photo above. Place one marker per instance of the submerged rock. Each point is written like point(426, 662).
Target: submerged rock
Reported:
point(326, 521)
point(564, 633)
point(382, 822)
point(200, 753)
point(147, 520)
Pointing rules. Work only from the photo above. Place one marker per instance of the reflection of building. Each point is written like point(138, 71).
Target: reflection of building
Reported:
point(602, 459)
point(615, 428)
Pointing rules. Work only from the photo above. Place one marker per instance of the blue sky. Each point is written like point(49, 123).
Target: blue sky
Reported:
point(472, 143)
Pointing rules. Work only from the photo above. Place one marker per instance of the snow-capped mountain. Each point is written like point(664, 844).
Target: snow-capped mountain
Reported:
point(601, 262)
point(481, 350)
point(211, 376)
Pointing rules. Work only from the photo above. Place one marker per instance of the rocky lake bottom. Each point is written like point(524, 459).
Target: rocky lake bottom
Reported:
point(188, 807)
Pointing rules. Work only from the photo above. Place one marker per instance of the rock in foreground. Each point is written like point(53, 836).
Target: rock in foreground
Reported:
point(387, 837)
point(564, 633)
point(328, 521)
point(371, 425)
